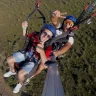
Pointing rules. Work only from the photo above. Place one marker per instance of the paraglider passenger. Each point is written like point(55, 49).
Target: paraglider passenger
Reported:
point(31, 56)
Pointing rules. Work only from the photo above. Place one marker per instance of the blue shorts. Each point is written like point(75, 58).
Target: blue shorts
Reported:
point(19, 57)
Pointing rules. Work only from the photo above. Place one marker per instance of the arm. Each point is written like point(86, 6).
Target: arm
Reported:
point(24, 28)
point(64, 49)
point(55, 17)
point(43, 57)
point(40, 50)
point(54, 20)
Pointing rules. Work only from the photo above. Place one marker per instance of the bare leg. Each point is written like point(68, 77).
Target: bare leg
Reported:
point(39, 70)
point(21, 76)
point(11, 61)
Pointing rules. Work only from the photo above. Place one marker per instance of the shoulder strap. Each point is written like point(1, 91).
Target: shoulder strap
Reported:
point(71, 34)
point(53, 40)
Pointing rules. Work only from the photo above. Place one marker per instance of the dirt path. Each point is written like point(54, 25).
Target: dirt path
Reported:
point(4, 89)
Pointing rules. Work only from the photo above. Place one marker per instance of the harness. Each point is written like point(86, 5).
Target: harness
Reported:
point(60, 40)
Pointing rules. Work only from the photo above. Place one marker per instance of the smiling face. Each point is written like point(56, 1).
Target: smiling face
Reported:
point(67, 24)
point(46, 35)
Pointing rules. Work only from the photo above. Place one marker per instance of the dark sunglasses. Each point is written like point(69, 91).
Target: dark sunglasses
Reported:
point(45, 34)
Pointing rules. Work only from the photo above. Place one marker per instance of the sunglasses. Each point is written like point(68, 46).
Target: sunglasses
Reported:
point(45, 34)
point(68, 22)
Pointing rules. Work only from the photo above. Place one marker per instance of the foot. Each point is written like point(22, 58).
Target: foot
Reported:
point(8, 74)
point(17, 88)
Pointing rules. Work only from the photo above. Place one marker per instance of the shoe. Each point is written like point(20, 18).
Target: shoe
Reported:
point(17, 88)
point(8, 74)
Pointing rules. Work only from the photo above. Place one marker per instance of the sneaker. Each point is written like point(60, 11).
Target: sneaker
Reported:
point(17, 88)
point(8, 74)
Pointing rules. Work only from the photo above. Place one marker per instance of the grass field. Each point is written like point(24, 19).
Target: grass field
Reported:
point(78, 66)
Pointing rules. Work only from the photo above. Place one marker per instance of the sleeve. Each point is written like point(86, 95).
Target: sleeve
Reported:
point(30, 35)
point(71, 40)
point(48, 51)
point(59, 25)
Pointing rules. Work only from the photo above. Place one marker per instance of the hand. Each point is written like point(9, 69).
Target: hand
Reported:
point(40, 48)
point(24, 25)
point(58, 14)
point(56, 53)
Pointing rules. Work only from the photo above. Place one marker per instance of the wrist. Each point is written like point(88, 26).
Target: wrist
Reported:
point(42, 52)
point(58, 53)
point(24, 29)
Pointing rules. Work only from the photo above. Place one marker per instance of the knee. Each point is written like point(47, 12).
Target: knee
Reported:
point(41, 67)
point(21, 74)
point(10, 60)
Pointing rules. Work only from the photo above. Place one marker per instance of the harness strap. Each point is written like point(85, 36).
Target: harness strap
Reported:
point(37, 4)
point(87, 9)
point(53, 40)
point(82, 14)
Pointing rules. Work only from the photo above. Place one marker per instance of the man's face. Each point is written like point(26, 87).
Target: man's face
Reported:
point(68, 23)
point(46, 35)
